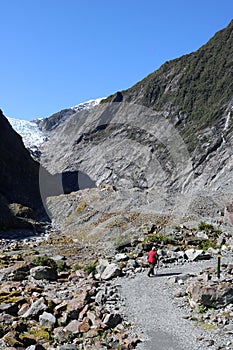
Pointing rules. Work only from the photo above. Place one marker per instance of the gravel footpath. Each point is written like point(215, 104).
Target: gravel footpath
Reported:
point(159, 319)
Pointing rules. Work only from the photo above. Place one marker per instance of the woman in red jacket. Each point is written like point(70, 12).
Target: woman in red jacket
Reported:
point(152, 259)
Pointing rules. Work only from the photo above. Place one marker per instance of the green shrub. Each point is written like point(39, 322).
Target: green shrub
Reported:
point(203, 226)
point(122, 240)
point(202, 309)
point(206, 244)
point(77, 267)
point(193, 318)
point(160, 238)
point(44, 260)
point(90, 268)
point(62, 266)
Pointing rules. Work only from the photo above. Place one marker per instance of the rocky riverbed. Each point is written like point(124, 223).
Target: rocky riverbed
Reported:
point(59, 294)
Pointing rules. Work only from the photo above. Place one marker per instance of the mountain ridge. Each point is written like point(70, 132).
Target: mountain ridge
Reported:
point(203, 134)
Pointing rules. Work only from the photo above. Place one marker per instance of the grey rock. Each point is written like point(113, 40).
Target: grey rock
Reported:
point(72, 327)
point(36, 308)
point(193, 254)
point(9, 308)
point(112, 320)
point(212, 295)
point(47, 320)
point(132, 263)
point(121, 257)
point(100, 297)
point(44, 272)
point(68, 347)
point(102, 264)
point(111, 271)
point(202, 235)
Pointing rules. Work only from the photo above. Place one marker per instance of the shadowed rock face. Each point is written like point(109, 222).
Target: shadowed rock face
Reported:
point(19, 172)
point(19, 179)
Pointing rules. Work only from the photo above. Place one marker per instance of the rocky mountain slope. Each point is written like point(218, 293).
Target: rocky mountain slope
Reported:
point(164, 145)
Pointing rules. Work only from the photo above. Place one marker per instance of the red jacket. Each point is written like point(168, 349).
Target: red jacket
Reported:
point(152, 257)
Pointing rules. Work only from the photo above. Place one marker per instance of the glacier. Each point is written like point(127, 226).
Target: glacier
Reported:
point(29, 131)
point(32, 136)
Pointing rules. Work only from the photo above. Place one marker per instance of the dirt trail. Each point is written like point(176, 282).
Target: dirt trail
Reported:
point(150, 304)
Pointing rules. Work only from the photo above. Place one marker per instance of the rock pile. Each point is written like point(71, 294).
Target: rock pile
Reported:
point(208, 301)
point(42, 309)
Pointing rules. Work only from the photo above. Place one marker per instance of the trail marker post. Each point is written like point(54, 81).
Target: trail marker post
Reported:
point(219, 264)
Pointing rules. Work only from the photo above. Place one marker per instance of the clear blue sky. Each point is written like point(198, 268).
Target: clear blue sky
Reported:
point(58, 53)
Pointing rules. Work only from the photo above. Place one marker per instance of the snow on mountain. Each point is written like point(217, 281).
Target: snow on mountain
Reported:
point(31, 134)
point(87, 105)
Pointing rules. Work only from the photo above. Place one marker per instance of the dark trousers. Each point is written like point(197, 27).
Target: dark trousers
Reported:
point(151, 269)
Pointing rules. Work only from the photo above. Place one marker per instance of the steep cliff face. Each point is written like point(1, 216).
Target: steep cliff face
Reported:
point(19, 181)
point(19, 172)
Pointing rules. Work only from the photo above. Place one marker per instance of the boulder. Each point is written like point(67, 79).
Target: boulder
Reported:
point(47, 320)
point(121, 257)
point(202, 235)
point(74, 306)
point(36, 308)
point(112, 270)
point(112, 320)
point(196, 254)
point(132, 263)
point(44, 272)
point(18, 272)
point(9, 308)
point(100, 297)
point(212, 295)
point(102, 264)
point(73, 327)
